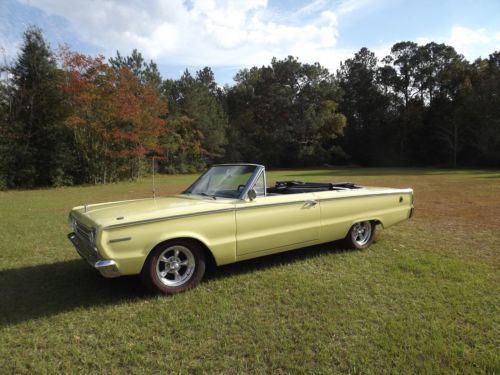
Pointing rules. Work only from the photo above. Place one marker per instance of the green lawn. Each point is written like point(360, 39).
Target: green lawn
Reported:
point(424, 298)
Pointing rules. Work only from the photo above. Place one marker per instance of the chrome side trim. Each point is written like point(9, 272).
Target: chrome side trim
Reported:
point(236, 164)
point(401, 191)
point(120, 239)
point(250, 206)
point(158, 219)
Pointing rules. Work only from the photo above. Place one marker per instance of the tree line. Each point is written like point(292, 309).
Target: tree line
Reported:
point(68, 118)
point(421, 106)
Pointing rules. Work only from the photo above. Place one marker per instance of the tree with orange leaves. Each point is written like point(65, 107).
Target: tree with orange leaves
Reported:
point(115, 118)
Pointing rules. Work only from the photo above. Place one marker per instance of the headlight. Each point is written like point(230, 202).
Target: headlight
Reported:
point(92, 237)
point(72, 223)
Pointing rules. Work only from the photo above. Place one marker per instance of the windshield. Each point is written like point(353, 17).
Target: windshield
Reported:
point(226, 181)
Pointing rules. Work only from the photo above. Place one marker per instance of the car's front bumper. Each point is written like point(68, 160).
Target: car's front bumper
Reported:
point(106, 267)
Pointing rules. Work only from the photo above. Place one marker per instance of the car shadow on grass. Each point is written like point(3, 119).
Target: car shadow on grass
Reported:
point(45, 290)
point(274, 260)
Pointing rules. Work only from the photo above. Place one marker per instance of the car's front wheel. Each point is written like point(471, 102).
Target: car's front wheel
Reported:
point(361, 235)
point(174, 267)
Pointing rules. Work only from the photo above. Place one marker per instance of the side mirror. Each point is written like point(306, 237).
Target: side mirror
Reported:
point(252, 194)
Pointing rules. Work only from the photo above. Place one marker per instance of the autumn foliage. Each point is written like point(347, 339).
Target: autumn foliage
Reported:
point(116, 120)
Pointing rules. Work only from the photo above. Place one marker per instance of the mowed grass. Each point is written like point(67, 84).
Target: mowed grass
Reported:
point(424, 298)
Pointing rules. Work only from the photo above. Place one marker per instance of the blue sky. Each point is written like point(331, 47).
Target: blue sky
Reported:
point(230, 35)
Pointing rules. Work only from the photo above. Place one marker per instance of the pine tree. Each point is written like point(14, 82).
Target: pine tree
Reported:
point(41, 142)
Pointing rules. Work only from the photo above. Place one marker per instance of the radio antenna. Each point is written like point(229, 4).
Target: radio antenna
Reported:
point(154, 189)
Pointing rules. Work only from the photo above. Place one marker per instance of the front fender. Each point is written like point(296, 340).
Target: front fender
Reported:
point(217, 232)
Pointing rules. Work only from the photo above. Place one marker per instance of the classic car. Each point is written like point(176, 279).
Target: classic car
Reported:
point(228, 215)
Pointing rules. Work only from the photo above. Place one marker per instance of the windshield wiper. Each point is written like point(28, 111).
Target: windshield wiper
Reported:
point(208, 195)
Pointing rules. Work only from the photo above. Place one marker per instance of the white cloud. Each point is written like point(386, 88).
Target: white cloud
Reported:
point(9, 46)
point(311, 8)
point(462, 37)
point(472, 43)
point(422, 41)
point(8, 50)
point(206, 32)
point(350, 6)
point(382, 50)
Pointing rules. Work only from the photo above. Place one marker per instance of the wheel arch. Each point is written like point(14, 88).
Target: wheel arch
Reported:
point(206, 250)
point(353, 242)
point(374, 220)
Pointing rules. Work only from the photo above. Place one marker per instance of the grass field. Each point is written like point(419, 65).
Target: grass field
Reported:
point(424, 298)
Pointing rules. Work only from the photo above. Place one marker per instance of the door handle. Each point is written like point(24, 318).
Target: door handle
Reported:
point(311, 202)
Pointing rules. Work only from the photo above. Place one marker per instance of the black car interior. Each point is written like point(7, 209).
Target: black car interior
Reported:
point(295, 187)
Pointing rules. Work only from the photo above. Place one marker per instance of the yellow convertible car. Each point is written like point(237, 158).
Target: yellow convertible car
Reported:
point(227, 215)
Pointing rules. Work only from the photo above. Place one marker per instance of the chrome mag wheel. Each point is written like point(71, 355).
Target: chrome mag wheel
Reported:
point(361, 233)
point(175, 265)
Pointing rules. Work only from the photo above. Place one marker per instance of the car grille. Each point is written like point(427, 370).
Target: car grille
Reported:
point(83, 232)
point(84, 249)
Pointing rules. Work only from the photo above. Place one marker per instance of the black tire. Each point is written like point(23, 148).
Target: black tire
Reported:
point(174, 267)
point(361, 235)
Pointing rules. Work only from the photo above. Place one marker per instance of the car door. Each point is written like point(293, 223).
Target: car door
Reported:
point(276, 222)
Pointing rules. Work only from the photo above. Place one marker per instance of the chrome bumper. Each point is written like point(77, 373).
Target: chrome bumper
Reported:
point(106, 267)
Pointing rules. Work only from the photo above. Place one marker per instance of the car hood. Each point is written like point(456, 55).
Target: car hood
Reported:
point(124, 212)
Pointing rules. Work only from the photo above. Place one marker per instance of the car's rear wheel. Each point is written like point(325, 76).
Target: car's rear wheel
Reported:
point(174, 267)
point(361, 235)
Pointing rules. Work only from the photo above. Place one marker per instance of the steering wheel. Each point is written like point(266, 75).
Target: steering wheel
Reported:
point(240, 188)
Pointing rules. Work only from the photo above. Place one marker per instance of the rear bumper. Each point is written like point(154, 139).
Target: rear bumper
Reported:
point(106, 267)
